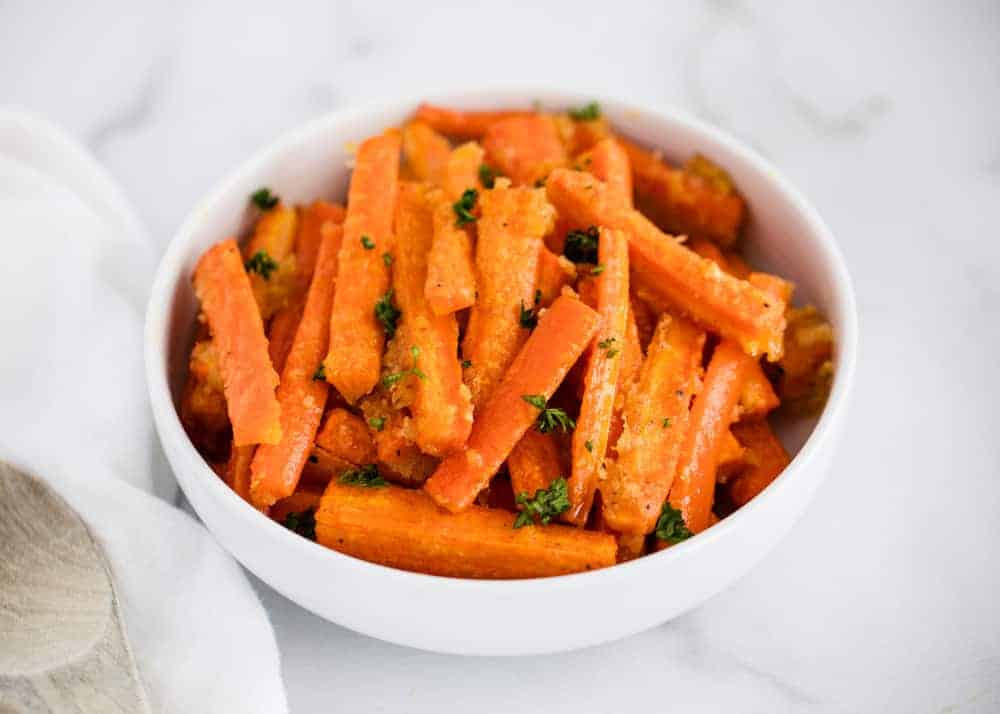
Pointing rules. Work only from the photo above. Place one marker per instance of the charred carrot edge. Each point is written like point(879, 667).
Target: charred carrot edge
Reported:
point(657, 421)
point(309, 236)
point(404, 529)
point(608, 161)
point(757, 398)
point(553, 274)
point(563, 332)
point(711, 415)
point(534, 463)
point(354, 359)
point(769, 457)
point(524, 149)
point(301, 500)
point(510, 230)
point(590, 438)
point(442, 406)
point(227, 301)
point(346, 436)
point(425, 152)
point(733, 308)
point(276, 469)
point(462, 124)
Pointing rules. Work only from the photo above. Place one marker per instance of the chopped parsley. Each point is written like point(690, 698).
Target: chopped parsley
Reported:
point(546, 504)
point(588, 112)
point(488, 175)
point(320, 372)
point(589, 445)
point(264, 199)
point(529, 316)
point(387, 259)
point(581, 246)
point(367, 243)
point(670, 525)
point(388, 314)
point(377, 423)
point(666, 422)
point(391, 379)
point(466, 363)
point(597, 269)
point(607, 345)
point(262, 264)
point(367, 476)
point(463, 207)
point(303, 523)
point(549, 418)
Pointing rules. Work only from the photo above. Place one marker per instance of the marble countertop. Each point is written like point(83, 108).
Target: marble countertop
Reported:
point(884, 596)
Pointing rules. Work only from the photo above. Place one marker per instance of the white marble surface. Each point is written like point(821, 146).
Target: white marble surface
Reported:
point(884, 597)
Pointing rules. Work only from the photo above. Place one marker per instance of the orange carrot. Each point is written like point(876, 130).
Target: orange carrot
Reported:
point(203, 404)
point(273, 239)
point(656, 419)
point(309, 237)
point(563, 332)
point(780, 288)
point(276, 468)
point(302, 500)
point(237, 471)
point(442, 407)
point(426, 152)
point(733, 308)
point(608, 162)
point(525, 149)
point(734, 458)
point(507, 253)
point(462, 170)
point(228, 304)
point(398, 457)
point(710, 251)
point(553, 273)
point(769, 460)
point(404, 529)
point(590, 438)
point(630, 547)
point(631, 363)
point(464, 124)
point(579, 136)
point(354, 359)
point(694, 486)
point(737, 266)
point(346, 436)
point(645, 319)
point(534, 463)
point(757, 397)
point(281, 334)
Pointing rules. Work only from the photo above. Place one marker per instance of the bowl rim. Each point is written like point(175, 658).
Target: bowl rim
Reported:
point(169, 273)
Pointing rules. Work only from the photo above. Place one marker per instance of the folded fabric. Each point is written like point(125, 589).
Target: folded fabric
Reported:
point(73, 410)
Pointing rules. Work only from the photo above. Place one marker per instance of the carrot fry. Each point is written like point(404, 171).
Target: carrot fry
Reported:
point(203, 404)
point(301, 500)
point(563, 332)
point(525, 149)
point(463, 124)
point(404, 529)
point(694, 486)
point(581, 135)
point(554, 272)
point(346, 436)
point(276, 469)
point(442, 407)
point(237, 471)
point(630, 547)
point(273, 239)
point(354, 359)
point(780, 288)
point(590, 438)
point(710, 251)
point(608, 161)
point(425, 152)
point(309, 236)
point(757, 398)
point(656, 419)
point(737, 266)
point(769, 460)
point(631, 364)
point(507, 253)
point(227, 301)
point(281, 334)
point(462, 170)
point(645, 319)
point(734, 458)
point(399, 458)
point(733, 308)
point(534, 462)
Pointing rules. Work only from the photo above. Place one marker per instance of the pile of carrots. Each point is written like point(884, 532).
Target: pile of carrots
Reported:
point(526, 347)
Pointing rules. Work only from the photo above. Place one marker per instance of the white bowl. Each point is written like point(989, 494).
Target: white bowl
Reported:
point(512, 617)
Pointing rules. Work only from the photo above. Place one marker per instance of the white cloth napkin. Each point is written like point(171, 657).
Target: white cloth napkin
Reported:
point(74, 269)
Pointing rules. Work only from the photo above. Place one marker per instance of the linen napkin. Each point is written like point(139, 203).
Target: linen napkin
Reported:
point(74, 270)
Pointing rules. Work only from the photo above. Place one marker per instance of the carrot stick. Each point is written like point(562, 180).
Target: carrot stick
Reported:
point(734, 458)
point(590, 439)
point(631, 363)
point(309, 236)
point(399, 458)
point(301, 500)
point(464, 124)
point(354, 359)
point(780, 288)
point(737, 266)
point(553, 273)
point(563, 332)
point(694, 486)
point(281, 334)
point(276, 469)
point(656, 419)
point(273, 239)
point(769, 459)
point(630, 547)
point(346, 436)
point(404, 529)
point(733, 308)
point(237, 471)
point(425, 152)
point(442, 407)
point(757, 398)
point(582, 135)
point(227, 301)
point(507, 253)
point(534, 462)
point(462, 170)
point(525, 149)
point(710, 251)
point(608, 161)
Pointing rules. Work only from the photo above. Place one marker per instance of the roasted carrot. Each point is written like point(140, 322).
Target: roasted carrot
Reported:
point(733, 308)
point(656, 417)
point(237, 471)
point(354, 359)
point(525, 149)
point(398, 457)
point(772, 285)
point(302, 393)
point(281, 334)
point(710, 251)
point(807, 365)
point(632, 358)
point(404, 529)
point(309, 236)
point(734, 458)
point(510, 230)
point(554, 272)
point(580, 135)
point(346, 436)
point(757, 397)
point(737, 266)
point(425, 152)
point(630, 547)
point(462, 124)
point(713, 411)
point(563, 332)
point(228, 304)
point(769, 459)
point(645, 319)
point(462, 170)
point(534, 462)
point(271, 260)
point(608, 161)
point(590, 438)
point(203, 404)
point(442, 407)
point(302, 500)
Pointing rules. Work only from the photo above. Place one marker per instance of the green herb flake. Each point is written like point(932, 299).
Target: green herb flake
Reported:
point(463, 207)
point(666, 422)
point(589, 445)
point(535, 400)
point(264, 199)
point(546, 504)
point(670, 526)
point(390, 380)
point(466, 363)
point(581, 246)
point(588, 112)
point(366, 476)
point(597, 269)
point(262, 264)
point(387, 259)
point(488, 175)
point(528, 317)
point(303, 523)
point(549, 418)
point(320, 373)
point(367, 243)
point(388, 314)
point(377, 423)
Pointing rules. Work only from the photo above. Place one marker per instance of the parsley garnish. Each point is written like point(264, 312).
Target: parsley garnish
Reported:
point(262, 264)
point(464, 206)
point(529, 316)
point(466, 363)
point(597, 269)
point(606, 345)
point(367, 243)
point(588, 112)
point(670, 525)
point(264, 199)
point(320, 372)
point(390, 379)
point(581, 246)
point(303, 523)
point(488, 175)
point(549, 418)
point(589, 445)
point(367, 476)
point(666, 422)
point(546, 504)
point(387, 313)
point(387, 259)
point(377, 423)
